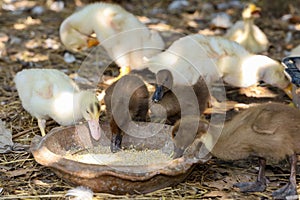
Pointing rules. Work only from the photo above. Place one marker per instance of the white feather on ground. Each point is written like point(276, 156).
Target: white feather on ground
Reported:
point(80, 193)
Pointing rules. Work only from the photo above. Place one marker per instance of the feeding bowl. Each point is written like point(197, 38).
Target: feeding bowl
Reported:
point(52, 149)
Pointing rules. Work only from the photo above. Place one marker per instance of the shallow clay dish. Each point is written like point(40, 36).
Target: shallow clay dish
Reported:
point(51, 149)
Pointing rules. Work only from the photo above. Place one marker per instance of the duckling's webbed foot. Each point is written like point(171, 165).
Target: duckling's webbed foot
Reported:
point(290, 189)
point(116, 142)
point(257, 186)
point(260, 184)
point(287, 190)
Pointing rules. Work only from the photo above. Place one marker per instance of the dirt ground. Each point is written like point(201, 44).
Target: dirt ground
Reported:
point(29, 39)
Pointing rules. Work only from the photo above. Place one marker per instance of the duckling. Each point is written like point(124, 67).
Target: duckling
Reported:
point(49, 93)
point(188, 58)
point(216, 58)
point(247, 33)
point(115, 29)
point(269, 131)
point(125, 100)
point(171, 102)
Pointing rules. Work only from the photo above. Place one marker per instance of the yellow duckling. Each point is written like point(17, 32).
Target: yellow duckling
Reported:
point(126, 39)
point(247, 33)
point(217, 58)
point(49, 93)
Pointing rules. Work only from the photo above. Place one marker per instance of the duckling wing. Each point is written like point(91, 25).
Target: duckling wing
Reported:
point(127, 53)
point(265, 122)
point(38, 88)
point(126, 39)
point(235, 31)
point(260, 36)
point(188, 58)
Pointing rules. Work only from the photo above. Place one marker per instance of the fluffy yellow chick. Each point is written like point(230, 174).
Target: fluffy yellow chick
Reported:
point(215, 58)
point(126, 39)
point(49, 93)
point(247, 33)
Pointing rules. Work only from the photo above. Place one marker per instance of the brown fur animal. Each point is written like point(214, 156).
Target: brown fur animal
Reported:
point(173, 101)
point(269, 131)
point(125, 100)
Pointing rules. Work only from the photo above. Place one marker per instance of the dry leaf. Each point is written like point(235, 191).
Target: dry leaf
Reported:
point(6, 142)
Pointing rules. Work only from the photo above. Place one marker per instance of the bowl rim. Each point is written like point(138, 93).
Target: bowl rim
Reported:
point(46, 157)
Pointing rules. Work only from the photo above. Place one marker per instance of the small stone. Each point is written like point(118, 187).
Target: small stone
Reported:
point(177, 5)
point(38, 10)
point(69, 58)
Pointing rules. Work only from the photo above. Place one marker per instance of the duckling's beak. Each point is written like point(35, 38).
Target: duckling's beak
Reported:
point(94, 128)
point(158, 94)
point(254, 10)
point(123, 71)
point(91, 42)
point(288, 90)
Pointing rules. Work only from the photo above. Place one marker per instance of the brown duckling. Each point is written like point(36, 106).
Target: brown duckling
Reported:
point(173, 101)
point(269, 131)
point(125, 100)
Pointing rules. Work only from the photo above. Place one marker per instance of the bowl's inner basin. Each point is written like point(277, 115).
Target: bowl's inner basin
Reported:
point(144, 144)
point(103, 156)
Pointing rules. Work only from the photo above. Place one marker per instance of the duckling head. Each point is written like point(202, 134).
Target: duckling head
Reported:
point(73, 39)
point(164, 82)
point(278, 79)
point(273, 74)
point(251, 11)
point(90, 110)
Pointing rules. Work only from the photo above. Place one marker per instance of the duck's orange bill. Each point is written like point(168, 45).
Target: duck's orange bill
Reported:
point(125, 70)
point(91, 42)
point(253, 8)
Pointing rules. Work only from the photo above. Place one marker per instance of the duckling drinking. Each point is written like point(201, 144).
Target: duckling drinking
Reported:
point(49, 93)
point(125, 100)
point(173, 101)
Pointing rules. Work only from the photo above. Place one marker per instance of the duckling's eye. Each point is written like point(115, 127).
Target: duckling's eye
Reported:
point(97, 106)
point(174, 134)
